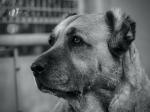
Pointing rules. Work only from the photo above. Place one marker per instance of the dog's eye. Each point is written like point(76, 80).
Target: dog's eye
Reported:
point(77, 40)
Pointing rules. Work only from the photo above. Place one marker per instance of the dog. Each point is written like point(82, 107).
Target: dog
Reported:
point(93, 65)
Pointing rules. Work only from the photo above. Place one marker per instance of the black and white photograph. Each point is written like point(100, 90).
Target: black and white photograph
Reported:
point(74, 56)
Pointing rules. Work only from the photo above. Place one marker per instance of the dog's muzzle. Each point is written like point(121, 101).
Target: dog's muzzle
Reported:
point(39, 71)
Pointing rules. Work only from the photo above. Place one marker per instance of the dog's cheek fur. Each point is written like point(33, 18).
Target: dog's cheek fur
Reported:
point(56, 76)
point(80, 64)
point(58, 73)
point(87, 67)
point(107, 64)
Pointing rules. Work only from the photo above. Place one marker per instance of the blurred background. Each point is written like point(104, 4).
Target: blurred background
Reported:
point(25, 26)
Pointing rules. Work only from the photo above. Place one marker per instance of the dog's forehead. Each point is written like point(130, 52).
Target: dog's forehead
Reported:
point(63, 24)
point(90, 23)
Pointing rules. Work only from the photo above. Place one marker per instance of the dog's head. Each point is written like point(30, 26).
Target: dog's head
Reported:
point(85, 53)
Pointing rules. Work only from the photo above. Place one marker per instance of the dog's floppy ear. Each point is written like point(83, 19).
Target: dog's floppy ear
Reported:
point(122, 31)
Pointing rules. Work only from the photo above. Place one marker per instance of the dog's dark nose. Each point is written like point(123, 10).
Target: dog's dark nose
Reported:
point(38, 68)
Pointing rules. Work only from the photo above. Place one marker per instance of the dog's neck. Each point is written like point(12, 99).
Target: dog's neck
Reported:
point(91, 102)
point(86, 103)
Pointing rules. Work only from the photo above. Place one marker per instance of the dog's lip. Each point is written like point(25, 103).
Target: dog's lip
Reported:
point(59, 92)
point(44, 88)
point(56, 92)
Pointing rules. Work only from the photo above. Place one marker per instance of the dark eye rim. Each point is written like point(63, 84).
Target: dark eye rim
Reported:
point(77, 40)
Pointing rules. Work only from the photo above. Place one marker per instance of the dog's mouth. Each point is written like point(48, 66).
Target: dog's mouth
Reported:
point(57, 92)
